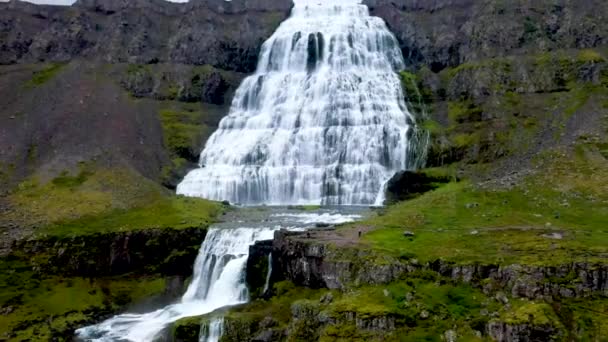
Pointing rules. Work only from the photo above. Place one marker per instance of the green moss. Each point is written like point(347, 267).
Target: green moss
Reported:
point(42, 76)
point(463, 111)
point(99, 200)
point(589, 56)
point(43, 308)
point(187, 329)
point(182, 130)
point(432, 126)
point(170, 212)
point(416, 94)
point(511, 225)
point(526, 312)
point(91, 192)
point(65, 180)
point(464, 140)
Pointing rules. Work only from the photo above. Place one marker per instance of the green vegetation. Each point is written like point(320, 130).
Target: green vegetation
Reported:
point(40, 308)
point(555, 217)
point(420, 307)
point(463, 111)
point(170, 212)
point(419, 97)
point(183, 130)
point(100, 200)
point(589, 56)
point(42, 76)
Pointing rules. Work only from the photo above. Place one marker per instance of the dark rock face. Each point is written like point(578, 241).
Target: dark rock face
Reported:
point(78, 115)
point(442, 33)
point(227, 35)
point(257, 267)
point(316, 265)
point(312, 263)
point(165, 251)
point(503, 332)
point(534, 282)
point(407, 184)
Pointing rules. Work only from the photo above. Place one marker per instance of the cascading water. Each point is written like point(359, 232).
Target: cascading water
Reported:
point(322, 121)
point(218, 281)
point(219, 275)
point(213, 331)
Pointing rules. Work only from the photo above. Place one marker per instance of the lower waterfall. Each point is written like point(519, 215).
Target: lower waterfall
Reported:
point(213, 331)
point(219, 275)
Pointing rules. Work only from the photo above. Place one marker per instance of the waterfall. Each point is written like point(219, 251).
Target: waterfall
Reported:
point(268, 274)
point(218, 279)
point(322, 121)
point(213, 331)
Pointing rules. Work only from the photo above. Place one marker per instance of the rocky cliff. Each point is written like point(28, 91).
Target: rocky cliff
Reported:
point(227, 35)
point(447, 33)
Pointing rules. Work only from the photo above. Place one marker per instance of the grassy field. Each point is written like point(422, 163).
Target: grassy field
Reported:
point(556, 216)
point(101, 200)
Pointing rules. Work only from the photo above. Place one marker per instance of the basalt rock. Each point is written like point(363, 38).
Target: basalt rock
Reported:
point(227, 35)
point(257, 267)
point(307, 262)
point(446, 33)
point(311, 262)
point(505, 332)
point(165, 251)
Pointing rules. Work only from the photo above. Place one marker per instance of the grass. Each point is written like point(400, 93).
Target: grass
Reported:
point(42, 76)
point(462, 223)
point(42, 308)
point(87, 192)
point(524, 312)
point(172, 212)
point(101, 200)
point(183, 131)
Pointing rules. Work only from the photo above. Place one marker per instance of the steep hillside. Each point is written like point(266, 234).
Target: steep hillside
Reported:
point(119, 97)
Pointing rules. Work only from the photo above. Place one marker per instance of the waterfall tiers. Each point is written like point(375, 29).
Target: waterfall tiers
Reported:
point(219, 273)
point(322, 121)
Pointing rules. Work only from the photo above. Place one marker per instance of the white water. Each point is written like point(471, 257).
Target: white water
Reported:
point(212, 332)
point(218, 280)
point(322, 121)
point(268, 274)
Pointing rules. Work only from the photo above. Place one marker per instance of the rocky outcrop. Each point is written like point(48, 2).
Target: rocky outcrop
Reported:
point(257, 268)
point(504, 332)
point(409, 184)
point(227, 35)
point(300, 258)
point(306, 260)
point(534, 282)
point(446, 33)
point(145, 251)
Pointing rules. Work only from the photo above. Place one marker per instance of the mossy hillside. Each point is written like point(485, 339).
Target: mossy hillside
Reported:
point(186, 128)
point(173, 212)
point(39, 308)
point(488, 110)
point(555, 217)
point(421, 307)
point(44, 75)
point(99, 200)
point(171, 82)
